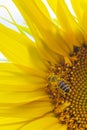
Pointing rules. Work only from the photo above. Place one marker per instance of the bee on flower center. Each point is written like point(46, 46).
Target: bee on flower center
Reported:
point(63, 86)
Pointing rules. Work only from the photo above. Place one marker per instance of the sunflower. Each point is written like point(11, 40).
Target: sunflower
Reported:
point(44, 86)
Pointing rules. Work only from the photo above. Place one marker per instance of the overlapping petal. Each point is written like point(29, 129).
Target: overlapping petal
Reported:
point(48, 31)
point(22, 85)
point(80, 8)
point(11, 47)
point(22, 95)
point(19, 49)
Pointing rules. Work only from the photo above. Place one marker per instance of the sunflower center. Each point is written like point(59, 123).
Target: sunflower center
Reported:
point(67, 87)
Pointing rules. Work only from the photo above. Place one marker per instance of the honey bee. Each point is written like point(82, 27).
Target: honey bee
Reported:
point(62, 85)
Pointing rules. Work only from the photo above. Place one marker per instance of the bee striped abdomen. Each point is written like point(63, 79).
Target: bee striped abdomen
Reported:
point(63, 86)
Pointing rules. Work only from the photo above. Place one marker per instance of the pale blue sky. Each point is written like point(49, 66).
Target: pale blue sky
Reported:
point(13, 11)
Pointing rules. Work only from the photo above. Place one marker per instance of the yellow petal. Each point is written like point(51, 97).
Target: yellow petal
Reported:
point(45, 122)
point(53, 4)
point(40, 5)
point(22, 94)
point(48, 31)
point(20, 79)
point(80, 8)
point(10, 123)
point(11, 47)
point(72, 31)
point(77, 6)
point(45, 52)
point(17, 86)
point(58, 126)
point(29, 111)
point(19, 49)
point(17, 36)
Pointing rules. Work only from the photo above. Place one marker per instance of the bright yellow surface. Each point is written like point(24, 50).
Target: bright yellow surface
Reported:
point(23, 101)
